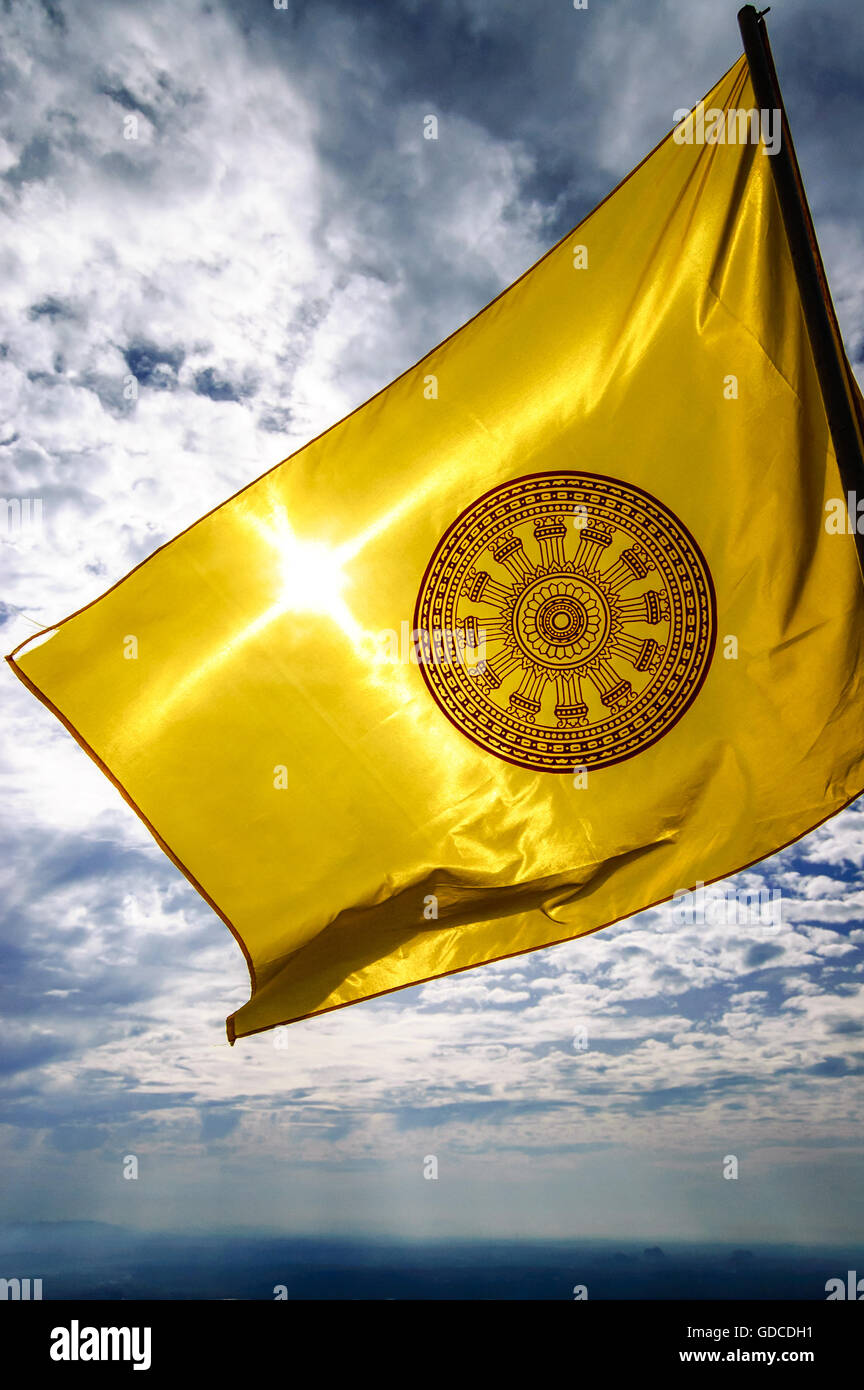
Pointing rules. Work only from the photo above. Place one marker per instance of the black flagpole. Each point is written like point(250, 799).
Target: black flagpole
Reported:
point(840, 405)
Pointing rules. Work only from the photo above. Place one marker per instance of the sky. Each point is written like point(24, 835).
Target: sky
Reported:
point(221, 231)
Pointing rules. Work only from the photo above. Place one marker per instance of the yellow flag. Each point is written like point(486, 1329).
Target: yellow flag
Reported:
point(556, 625)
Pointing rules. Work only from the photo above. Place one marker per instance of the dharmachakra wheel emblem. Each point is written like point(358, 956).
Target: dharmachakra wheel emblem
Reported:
point(565, 620)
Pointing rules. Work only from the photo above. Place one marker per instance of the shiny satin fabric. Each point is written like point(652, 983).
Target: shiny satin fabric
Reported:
point(316, 793)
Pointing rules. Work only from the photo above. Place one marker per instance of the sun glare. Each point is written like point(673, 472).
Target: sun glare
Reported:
point(311, 574)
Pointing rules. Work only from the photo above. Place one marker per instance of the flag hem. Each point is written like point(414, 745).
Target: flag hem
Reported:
point(527, 950)
point(230, 1028)
point(163, 845)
